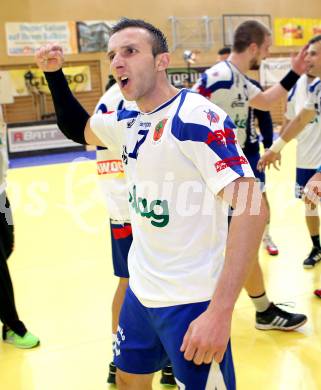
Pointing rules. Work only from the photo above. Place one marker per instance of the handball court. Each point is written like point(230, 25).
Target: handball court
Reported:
point(62, 274)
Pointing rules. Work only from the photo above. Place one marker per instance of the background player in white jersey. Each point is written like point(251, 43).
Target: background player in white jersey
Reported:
point(308, 159)
point(312, 196)
point(226, 84)
point(114, 188)
point(182, 291)
point(305, 117)
point(13, 330)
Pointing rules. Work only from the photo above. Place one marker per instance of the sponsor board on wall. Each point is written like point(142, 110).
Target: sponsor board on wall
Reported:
point(27, 81)
point(272, 70)
point(93, 36)
point(23, 39)
point(295, 31)
point(37, 137)
point(179, 76)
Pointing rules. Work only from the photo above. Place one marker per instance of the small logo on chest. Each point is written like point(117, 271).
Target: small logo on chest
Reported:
point(159, 129)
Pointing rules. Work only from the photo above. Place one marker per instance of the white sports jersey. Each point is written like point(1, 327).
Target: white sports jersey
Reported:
point(309, 140)
point(109, 163)
point(177, 158)
point(231, 90)
point(3, 153)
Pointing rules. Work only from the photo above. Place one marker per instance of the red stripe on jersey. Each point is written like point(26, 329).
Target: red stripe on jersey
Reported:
point(122, 232)
point(204, 91)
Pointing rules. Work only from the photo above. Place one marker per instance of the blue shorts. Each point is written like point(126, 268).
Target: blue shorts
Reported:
point(121, 240)
point(148, 337)
point(302, 177)
point(253, 159)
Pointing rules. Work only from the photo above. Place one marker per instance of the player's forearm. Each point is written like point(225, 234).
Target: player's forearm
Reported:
point(292, 129)
point(243, 242)
point(71, 116)
point(265, 100)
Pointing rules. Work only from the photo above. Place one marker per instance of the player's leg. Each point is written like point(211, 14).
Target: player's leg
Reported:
point(267, 240)
point(311, 218)
point(127, 381)
point(13, 330)
point(268, 243)
point(138, 351)
point(171, 324)
point(268, 315)
point(121, 239)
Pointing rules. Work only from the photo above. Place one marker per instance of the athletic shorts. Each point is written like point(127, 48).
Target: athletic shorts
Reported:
point(121, 240)
point(302, 177)
point(253, 159)
point(148, 338)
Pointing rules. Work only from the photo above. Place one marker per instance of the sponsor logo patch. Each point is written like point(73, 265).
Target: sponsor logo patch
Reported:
point(159, 129)
point(221, 135)
point(230, 162)
point(212, 116)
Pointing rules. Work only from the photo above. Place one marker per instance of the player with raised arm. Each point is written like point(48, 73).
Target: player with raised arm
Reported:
point(181, 178)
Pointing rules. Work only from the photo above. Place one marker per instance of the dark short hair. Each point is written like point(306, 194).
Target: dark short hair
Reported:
point(159, 42)
point(250, 31)
point(315, 39)
point(224, 50)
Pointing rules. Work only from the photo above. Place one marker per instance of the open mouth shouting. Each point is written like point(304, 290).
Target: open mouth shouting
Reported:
point(123, 81)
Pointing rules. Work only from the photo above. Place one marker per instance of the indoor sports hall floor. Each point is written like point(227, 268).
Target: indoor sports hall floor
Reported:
point(63, 281)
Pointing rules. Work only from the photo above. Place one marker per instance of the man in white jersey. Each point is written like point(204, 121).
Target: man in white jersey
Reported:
point(183, 167)
point(306, 116)
point(308, 159)
point(14, 330)
point(226, 85)
point(114, 188)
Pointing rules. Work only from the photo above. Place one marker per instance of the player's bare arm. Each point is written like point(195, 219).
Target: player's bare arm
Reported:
point(264, 100)
point(72, 118)
point(207, 336)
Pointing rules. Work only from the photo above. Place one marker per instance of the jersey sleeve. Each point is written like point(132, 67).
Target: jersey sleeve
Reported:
point(252, 89)
point(108, 129)
point(206, 136)
point(290, 105)
point(312, 102)
point(214, 79)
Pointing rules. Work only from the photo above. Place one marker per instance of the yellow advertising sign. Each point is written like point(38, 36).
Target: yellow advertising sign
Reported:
point(28, 81)
point(295, 31)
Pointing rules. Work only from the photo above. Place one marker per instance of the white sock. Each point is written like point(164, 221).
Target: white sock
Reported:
point(261, 303)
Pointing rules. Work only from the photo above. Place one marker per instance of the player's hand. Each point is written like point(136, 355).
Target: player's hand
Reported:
point(269, 158)
point(207, 338)
point(298, 63)
point(312, 191)
point(50, 57)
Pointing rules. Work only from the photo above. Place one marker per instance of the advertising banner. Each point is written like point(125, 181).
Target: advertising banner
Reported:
point(37, 137)
point(28, 81)
point(93, 36)
point(23, 39)
point(272, 70)
point(295, 31)
point(179, 77)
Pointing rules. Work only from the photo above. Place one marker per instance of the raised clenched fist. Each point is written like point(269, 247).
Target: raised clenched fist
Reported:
point(50, 57)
